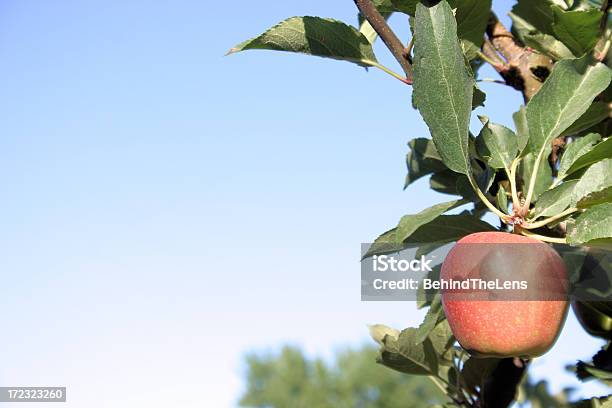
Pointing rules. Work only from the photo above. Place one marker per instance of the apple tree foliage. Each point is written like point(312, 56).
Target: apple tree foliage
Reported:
point(549, 178)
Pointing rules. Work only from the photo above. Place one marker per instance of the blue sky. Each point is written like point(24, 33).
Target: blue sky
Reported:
point(167, 209)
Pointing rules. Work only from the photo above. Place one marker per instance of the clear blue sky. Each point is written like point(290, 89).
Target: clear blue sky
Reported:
point(166, 209)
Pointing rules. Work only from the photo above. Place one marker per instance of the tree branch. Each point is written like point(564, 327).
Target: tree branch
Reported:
point(379, 24)
point(525, 70)
point(496, 61)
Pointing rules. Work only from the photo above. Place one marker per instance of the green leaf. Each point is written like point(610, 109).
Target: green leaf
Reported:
point(602, 150)
point(595, 224)
point(448, 228)
point(598, 373)
point(547, 45)
point(597, 112)
point(425, 297)
point(423, 159)
point(531, 36)
point(426, 249)
point(543, 176)
point(472, 17)
point(578, 30)
point(405, 6)
point(522, 129)
point(479, 98)
point(574, 150)
point(564, 97)
point(536, 13)
point(441, 230)
point(595, 185)
point(410, 223)
point(554, 201)
point(442, 86)
point(314, 36)
point(502, 199)
point(386, 243)
point(445, 182)
point(497, 145)
point(442, 339)
point(384, 6)
point(434, 315)
point(587, 4)
point(406, 355)
point(449, 182)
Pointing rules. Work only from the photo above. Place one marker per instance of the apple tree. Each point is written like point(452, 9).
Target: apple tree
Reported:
point(549, 179)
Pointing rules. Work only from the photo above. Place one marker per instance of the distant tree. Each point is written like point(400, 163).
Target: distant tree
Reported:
point(289, 379)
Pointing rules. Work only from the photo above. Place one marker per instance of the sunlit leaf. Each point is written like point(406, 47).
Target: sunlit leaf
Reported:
point(497, 145)
point(595, 185)
point(574, 150)
point(314, 36)
point(602, 150)
point(556, 200)
point(578, 29)
point(594, 226)
point(443, 88)
point(564, 97)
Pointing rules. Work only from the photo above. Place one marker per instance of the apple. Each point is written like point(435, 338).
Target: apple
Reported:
point(522, 314)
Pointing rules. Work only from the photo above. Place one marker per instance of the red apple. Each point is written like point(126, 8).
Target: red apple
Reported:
point(493, 322)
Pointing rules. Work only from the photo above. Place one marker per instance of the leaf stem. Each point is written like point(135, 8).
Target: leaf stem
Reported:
point(546, 221)
point(369, 11)
point(505, 218)
point(494, 81)
point(394, 74)
point(543, 238)
point(516, 203)
point(532, 181)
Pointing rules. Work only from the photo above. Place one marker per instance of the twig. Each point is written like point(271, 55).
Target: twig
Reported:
point(379, 24)
point(490, 55)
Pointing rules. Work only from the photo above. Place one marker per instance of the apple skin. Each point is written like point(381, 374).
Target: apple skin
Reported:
point(506, 328)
